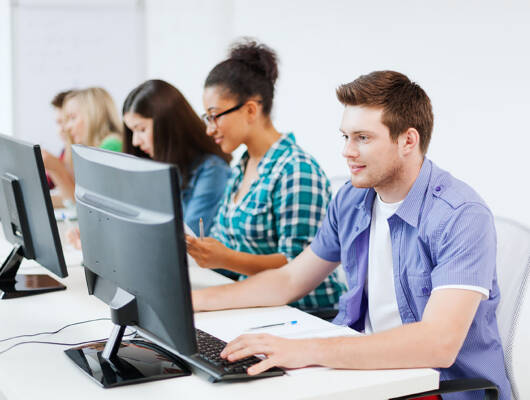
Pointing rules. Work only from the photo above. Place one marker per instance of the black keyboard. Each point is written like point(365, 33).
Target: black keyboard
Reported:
point(209, 350)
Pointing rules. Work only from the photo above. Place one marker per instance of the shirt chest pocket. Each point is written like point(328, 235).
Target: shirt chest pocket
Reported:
point(256, 220)
point(420, 285)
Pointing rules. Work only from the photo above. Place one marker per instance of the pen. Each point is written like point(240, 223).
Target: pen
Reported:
point(201, 228)
point(271, 325)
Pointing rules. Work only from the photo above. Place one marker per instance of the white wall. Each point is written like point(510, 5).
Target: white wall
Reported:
point(6, 113)
point(61, 44)
point(471, 57)
point(185, 40)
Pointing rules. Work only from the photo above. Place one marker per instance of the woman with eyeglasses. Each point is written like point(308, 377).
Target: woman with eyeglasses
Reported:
point(278, 194)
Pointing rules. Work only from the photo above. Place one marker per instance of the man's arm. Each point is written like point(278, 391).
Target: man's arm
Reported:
point(433, 342)
point(268, 288)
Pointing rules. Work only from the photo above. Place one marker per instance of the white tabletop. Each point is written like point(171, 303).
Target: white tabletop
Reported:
point(45, 372)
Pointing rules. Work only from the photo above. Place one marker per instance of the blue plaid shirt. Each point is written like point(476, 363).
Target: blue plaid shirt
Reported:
point(442, 234)
point(280, 213)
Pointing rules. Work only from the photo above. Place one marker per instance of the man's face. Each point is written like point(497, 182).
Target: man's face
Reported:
point(372, 157)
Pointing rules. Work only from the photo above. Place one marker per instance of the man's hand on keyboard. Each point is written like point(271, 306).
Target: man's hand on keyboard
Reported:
point(280, 352)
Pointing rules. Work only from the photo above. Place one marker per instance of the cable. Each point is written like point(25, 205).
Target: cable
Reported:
point(60, 343)
point(54, 332)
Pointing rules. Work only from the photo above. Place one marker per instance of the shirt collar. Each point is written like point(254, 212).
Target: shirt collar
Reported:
point(411, 208)
point(271, 156)
point(269, 159)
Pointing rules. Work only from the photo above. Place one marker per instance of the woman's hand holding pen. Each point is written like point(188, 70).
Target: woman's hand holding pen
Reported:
point(208, 252)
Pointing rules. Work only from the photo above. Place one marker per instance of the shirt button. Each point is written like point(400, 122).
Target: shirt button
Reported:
point(356, 229)
point(438, 188)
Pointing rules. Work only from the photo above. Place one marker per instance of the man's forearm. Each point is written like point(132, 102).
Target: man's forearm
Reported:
point(413, 345)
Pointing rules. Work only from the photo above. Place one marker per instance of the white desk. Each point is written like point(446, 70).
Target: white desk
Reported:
point(45, 372)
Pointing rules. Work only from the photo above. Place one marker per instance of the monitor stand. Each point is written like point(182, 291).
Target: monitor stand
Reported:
point(118, 363)
point(13, 285)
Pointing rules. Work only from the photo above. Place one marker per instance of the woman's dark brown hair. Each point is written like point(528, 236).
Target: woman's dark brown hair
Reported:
point(179, 135)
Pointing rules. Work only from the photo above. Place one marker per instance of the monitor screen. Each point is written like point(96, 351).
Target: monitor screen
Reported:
point(134, 253)
point(27, 219)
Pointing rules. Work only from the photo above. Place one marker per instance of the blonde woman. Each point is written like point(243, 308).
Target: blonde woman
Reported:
point(90, 118)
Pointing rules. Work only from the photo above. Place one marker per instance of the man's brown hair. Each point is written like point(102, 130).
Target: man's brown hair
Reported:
point(58, 99)
point(405, 104)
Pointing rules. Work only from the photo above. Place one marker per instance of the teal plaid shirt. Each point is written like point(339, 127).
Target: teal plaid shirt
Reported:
point(281, 212)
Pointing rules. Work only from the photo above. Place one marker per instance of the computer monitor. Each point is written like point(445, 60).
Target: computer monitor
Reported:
point(28, 221)
point(134, 253)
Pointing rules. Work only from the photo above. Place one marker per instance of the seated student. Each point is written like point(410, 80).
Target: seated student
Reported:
point(278, 194)
point(64, 157)
point(91, 119)
point(159, 123)
point(418, 247)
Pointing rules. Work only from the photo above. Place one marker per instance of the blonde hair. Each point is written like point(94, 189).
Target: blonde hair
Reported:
point(99, 113)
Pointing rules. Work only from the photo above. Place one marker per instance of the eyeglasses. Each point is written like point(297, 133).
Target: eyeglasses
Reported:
point(212, 119)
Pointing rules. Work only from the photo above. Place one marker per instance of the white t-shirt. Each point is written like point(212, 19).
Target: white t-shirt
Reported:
point(383, 312)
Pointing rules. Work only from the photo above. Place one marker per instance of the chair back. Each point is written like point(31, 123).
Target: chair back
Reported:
point(513, 312)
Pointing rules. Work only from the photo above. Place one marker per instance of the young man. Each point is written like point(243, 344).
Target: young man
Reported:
point(418, 247)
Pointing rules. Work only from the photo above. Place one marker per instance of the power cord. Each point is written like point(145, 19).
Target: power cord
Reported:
point(57, 331)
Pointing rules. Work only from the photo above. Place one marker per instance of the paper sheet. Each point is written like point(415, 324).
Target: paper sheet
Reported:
point(307, 325)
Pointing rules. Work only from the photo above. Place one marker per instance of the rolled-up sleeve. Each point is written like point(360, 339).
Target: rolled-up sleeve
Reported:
point(326, 244)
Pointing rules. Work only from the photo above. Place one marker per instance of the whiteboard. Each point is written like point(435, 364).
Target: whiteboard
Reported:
point(59, 45)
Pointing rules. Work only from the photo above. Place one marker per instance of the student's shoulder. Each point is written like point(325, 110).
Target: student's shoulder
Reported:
point(450, 192)
point(453, 200)
point(112, 142)
point(211, 164)
point(293, 157)
point(213, 161)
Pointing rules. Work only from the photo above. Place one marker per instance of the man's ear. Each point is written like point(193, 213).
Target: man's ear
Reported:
point(408, 141)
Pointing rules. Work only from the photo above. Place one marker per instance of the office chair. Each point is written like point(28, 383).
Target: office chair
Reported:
point(513, 315)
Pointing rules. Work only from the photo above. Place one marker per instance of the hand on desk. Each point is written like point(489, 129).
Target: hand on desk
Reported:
point(280, 352)
point(207, 252)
